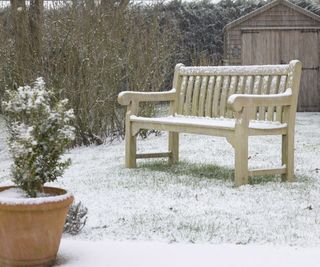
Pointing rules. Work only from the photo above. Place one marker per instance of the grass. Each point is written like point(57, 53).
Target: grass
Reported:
point(208, 171)
point(195, 200)
point(195, 170)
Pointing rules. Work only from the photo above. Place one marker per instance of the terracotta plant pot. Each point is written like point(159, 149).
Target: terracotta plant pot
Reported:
point(31, 230)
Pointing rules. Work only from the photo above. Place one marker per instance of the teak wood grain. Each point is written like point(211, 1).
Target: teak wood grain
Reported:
point(233, 102)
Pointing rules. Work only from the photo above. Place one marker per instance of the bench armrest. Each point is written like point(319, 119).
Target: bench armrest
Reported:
point(126, 97)
point(237, 102)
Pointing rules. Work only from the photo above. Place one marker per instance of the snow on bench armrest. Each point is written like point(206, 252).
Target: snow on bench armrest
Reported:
point(236, 102)
point(126, 97)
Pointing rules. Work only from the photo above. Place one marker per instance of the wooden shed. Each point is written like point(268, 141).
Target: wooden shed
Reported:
point(275, 34)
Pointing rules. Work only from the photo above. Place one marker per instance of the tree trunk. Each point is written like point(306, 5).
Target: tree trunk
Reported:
point(36, 22)
point(22, 39)
point(28, 37)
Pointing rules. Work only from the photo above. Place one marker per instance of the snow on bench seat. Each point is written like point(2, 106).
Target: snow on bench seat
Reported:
point(217, 123)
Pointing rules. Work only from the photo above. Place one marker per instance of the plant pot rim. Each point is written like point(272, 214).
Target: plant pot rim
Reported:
point(60, 198)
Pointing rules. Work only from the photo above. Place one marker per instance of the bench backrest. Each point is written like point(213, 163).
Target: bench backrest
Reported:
point(204, 91)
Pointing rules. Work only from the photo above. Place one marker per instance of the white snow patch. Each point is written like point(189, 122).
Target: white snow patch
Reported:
point(196, 202)
point(13, 193)
point(207, 122)
point(16, 196)
point(156, 254)
point(235, 70)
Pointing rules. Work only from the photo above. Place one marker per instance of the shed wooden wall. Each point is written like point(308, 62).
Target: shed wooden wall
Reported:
point(275, 36)
point(277, 16)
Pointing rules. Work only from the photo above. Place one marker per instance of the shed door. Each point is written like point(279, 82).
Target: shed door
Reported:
point(261, 47)
point(276, 47)
point(304, 45)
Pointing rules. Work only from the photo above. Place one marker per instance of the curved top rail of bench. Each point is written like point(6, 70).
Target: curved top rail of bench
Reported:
point(236, 70)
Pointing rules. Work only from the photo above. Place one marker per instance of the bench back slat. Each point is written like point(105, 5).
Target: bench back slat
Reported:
point(188, 103)
point(274, 85)
point(202, 98)
point(232, 90)
point(216, 96)
point(261, 114)
point(224, 96)
point(204, 91)
point(209, 96)
point(241, 84)
point(182, 93)
point(195, 97)
point(248, 85)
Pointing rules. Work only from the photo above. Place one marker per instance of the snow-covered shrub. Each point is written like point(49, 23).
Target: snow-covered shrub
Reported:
point(39, 132)
point(76, 219)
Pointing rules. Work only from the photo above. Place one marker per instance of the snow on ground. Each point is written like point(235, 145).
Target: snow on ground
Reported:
point(156, 254)
point(194, 202)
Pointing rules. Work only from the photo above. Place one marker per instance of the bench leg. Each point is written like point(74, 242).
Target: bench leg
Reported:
point(288, 157)
point(241, 161)
point(130, 148)
point(173, 147)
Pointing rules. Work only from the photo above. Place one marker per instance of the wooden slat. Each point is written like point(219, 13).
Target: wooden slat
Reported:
point(187, 104)
point(269, 171)
point(256, 91)
point(208, 109)
point(182, 94)
point(153, 155)
point(256, 85)
point(278, 28)
point(216, 97)
point(281, 89)
point(274, 84)
point(282, 84)
point(224, 95)
point(280, 131)
point(127, 97)
point(232, 90)
point(264, 90)
point(202, 98)
point(195, 97)
point(241, 85)
point(236, 70)
point(248, 85)
point(205, 130)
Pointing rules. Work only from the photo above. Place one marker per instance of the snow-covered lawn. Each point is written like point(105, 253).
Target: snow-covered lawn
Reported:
point(156, 254)
point(195, 201)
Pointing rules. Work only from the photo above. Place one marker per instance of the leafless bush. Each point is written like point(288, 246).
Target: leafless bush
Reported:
point(89, 53)
point(76, 219)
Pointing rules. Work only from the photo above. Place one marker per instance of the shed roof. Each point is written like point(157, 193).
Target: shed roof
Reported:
point(269, 6)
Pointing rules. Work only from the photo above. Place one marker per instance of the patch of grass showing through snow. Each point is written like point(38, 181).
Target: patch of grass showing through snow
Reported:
point(207, 171)
point(195, 170)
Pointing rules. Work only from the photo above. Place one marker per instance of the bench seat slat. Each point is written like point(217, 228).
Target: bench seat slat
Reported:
point(203, 122)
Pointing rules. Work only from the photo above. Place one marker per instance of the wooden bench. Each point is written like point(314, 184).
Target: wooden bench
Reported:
point(230, 101)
